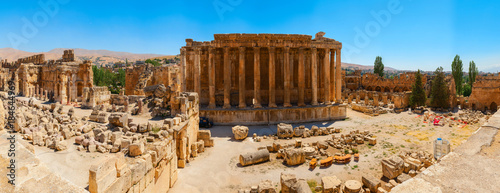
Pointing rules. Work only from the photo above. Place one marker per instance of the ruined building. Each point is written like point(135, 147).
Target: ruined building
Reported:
point(485, 93)
point(265, 78)
point(139, 77)
point(62, 80)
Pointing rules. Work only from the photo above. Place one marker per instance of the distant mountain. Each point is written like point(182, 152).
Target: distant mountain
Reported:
point(492, 69)
point(98, 57)
point(363, 67)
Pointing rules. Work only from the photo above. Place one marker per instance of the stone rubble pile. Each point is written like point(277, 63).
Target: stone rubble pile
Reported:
point(289, 183)
point(402, 167)
point(286, 131)
point(352, 140)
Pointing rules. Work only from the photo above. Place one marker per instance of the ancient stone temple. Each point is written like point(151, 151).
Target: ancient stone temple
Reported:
point(62, 80)
point(265, 78)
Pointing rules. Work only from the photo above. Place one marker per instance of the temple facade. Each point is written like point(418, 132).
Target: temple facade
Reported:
point(262, 72)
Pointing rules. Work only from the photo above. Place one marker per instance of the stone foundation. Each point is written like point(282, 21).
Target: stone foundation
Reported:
point(266, 116)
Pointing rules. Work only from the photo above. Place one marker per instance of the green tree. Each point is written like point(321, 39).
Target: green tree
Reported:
point(417, 97)
point(467, 90)
point(457, 72)
point(104, 77)
point(472, 72)
point(439, 91)
point(378, 67)
point(153, 62)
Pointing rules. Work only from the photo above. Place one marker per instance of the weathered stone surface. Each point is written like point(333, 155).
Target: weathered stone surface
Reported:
point(102, 175)
point(206, 136)
point(352, 186)
point(287, 182)
point(285, 130)
point(299, 131)
point(254, 157)
point(266, 186)
point(392, 167)
point(136, 149)
point(301, 187)
point(118, 119)
point(240, 132)
point(61, 145)
point(403, 177)
point(371, 183)
point(157, 91)
point(331, 184)
point(294, 156)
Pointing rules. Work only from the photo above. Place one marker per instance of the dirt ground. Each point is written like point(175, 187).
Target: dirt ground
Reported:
point(217, 170)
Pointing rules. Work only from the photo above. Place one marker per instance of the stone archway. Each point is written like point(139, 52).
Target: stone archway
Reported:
point(369, 88)
point(387, 89)
point(378, 89)
point(493, 107)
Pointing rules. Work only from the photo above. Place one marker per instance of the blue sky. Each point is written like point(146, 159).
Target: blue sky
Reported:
point(419, 34)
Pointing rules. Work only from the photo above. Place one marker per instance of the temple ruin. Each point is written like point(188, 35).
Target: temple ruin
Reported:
point(265, 78)
point(60, 80)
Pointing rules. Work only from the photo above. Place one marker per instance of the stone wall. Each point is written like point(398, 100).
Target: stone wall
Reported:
point(485, 93)
point(275, 115)
point(139, 77)
point(94, 96)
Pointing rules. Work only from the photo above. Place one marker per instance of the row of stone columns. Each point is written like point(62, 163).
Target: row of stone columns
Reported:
point(332, 76)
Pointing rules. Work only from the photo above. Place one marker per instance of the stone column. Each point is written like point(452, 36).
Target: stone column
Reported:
point(332, 76)
point(326, 68)
point(338, 77)
point(272, 78)
point(375, 100)
point(314, 76)
point(211, 77)
point(183, 69)
point(256, 79)
point(227, 79)
point(242, 78)
point(302, 77)
point(197, 74)
point(286, 74)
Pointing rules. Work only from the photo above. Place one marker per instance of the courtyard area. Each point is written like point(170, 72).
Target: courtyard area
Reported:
point(218, 169)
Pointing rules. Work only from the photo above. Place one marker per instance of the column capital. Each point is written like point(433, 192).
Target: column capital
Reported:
point(301, 49)
point(256, 48)
point(272, 49)
point(286, 49)
point(211, 50)
point(242, 49)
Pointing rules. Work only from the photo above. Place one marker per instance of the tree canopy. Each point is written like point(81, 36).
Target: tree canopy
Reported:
point(417, 97)
point(457, 72)
point(104, 77)
point(472, 72)
point(378, 67)
point(439, 92)
point(153, 62)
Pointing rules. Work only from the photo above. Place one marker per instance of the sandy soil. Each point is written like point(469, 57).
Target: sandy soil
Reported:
point(217, 169)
